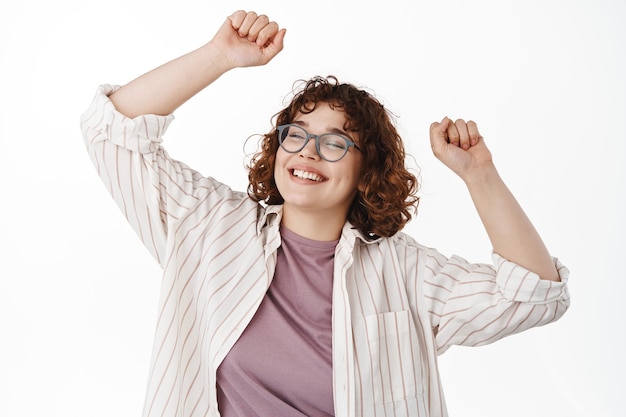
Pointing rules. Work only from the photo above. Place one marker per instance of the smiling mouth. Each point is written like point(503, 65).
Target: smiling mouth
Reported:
point(307, 175)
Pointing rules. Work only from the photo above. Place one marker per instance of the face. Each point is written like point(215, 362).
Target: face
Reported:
point(308, 183)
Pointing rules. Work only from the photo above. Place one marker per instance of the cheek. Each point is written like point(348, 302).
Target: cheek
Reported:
point(280, 172)
point(279, 160)
point(358, 176)
point(357, 170)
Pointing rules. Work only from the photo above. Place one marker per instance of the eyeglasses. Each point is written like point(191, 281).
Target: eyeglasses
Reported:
point(330, 146)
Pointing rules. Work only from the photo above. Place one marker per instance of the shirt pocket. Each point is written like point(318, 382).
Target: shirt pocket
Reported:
point(394, 354)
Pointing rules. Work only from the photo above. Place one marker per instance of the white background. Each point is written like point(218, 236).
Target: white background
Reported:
point(543, 79)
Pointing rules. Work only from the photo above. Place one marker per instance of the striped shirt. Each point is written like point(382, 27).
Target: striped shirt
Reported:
point(396, 304)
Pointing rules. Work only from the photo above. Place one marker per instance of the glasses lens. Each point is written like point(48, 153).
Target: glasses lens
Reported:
point(333, 147)
point(292, 138)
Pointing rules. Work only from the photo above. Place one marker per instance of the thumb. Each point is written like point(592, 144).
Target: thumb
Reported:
point(438, 136)
point(439, 128)
point(276, 44)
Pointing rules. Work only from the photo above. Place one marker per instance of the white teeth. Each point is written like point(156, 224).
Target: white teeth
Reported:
point(306, 175)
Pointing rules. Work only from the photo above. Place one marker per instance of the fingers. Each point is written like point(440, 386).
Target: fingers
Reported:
point(275, 45)
point(267, 34)
point(454, 134)
point(460, 133)
point(474, 134)
point(256, 28)
point(467, 133)
point(237, 20)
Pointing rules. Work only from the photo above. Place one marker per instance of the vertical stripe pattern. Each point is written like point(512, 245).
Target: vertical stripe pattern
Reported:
point(396, 304)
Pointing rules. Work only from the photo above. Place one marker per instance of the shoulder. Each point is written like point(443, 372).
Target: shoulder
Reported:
point(400, 246)
point(404, 242)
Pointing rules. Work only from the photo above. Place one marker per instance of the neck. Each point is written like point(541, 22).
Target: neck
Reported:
point(315, 225)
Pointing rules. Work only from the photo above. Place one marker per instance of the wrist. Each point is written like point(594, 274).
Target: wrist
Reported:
point(484, 175)
point(215, 58)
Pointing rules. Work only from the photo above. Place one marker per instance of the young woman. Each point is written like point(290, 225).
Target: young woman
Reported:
point(303, 297)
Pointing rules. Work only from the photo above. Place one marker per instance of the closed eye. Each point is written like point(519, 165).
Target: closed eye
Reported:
point(295, 135)
point(334, 141)
point(337, 145)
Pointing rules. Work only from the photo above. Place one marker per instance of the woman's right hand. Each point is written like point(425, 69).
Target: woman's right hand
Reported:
point(247, 39)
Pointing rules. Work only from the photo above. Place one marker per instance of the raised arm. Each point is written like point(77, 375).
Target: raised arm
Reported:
point(245, 39)
point(461, 148)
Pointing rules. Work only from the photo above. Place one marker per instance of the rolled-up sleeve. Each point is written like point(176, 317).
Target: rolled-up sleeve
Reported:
point(477, 304)
point(151, 189)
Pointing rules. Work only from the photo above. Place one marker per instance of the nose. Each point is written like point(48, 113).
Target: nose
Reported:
point(309, 151)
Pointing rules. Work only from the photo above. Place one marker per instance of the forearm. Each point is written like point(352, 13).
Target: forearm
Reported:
point(511, 233)
point(164, 89)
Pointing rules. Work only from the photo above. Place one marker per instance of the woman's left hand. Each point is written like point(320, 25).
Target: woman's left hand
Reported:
point(459, 146)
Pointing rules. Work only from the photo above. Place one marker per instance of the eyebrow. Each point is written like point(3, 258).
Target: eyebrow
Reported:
point(331, 130)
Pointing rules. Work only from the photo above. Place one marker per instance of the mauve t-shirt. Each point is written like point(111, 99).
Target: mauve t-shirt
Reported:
point(282, 363)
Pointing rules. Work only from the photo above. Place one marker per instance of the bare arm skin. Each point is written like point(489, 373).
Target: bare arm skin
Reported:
point(461, 148)
point(245, 39)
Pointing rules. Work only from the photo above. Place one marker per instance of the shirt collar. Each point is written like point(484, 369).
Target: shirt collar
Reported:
point(272, 215)
point(352, 233)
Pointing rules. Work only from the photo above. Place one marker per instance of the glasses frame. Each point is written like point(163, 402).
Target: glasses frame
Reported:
point(280, 129)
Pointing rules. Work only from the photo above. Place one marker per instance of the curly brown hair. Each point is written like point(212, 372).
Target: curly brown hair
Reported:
point(387, 192)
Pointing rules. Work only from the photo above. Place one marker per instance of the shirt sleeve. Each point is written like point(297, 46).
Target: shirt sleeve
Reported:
point(477, 304)
point(152, 190)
